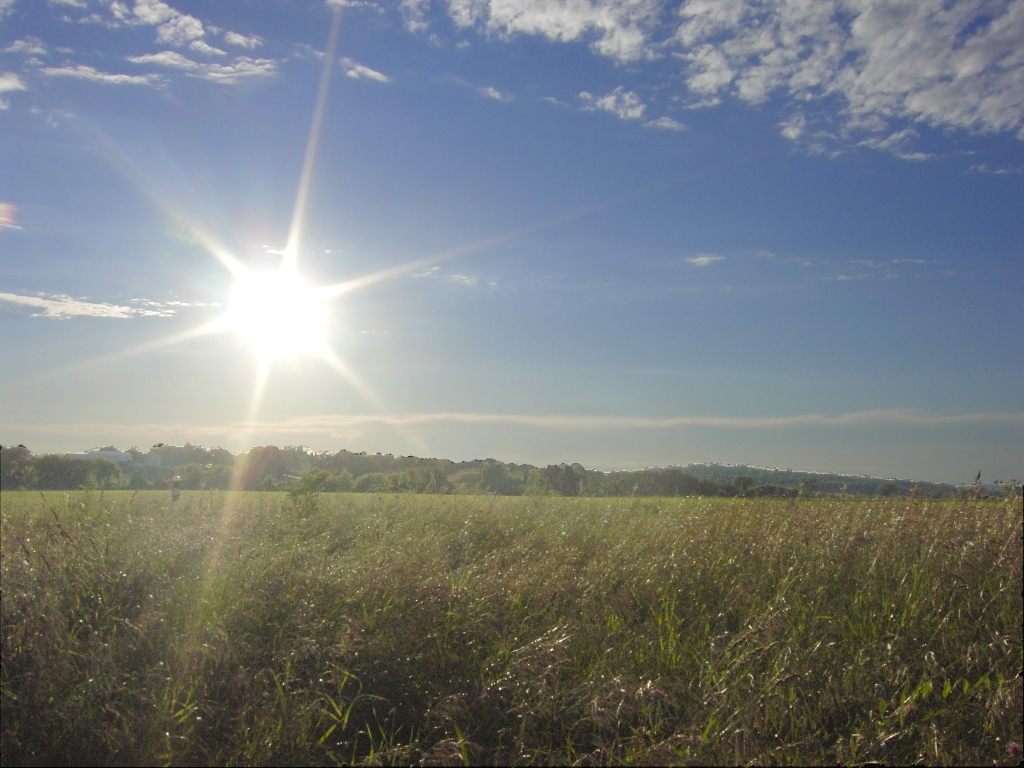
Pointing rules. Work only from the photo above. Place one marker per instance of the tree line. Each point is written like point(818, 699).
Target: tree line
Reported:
point(296, 469)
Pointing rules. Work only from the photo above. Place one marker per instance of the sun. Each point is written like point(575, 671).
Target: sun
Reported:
point(278, 312)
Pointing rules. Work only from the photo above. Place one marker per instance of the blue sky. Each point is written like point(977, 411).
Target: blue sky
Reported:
point(780, 233)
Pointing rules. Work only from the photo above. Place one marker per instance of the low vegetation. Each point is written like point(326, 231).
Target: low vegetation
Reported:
point(394, 629)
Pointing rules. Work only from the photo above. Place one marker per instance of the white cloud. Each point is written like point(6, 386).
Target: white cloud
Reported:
point(793, 127)
point(357, 71)
point(201, 46)
point(30, 46)
point(119, 11)
point(61, 307)
point(666, 123)
point(150, 308)
point(83, 72)
point(494, 93)
point(1005, 170)
point(179, 30)
point(304, 51)
point(72, 3)
point(464, 280)
point(959, 64)
point(704, 259)
point(251, 42)
point(241, 68)
point(617, 28)
point(5, 7)
point(153, 11)
point(414, 12)
point(867, 67)
point(625, 104)
point(896, 143)
point(10, 82)
point(171, 59)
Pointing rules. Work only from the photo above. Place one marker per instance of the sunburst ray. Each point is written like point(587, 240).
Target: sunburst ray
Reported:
point(291, 250)
point(218, 325)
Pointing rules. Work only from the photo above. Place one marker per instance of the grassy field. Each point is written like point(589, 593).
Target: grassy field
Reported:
point(266, 629)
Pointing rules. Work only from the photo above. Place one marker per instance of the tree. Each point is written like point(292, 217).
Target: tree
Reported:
point(15, 467)
point(61, 473)
point(106, 473)
point(193, 477)
point(743, 484)
point(888, 488)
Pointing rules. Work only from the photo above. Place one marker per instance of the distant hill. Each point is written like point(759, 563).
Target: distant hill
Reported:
point(296, 468)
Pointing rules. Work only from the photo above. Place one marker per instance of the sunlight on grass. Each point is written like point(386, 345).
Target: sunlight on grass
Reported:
point(446, 630)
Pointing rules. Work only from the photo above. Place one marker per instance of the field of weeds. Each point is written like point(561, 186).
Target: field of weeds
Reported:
point(268, 629)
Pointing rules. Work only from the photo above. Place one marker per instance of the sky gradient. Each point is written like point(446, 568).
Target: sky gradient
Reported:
point(781, 233)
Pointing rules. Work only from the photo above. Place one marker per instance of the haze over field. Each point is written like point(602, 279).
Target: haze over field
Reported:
point(617, 233)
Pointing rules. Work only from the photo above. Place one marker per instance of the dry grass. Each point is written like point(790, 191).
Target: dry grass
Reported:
point(259, 629)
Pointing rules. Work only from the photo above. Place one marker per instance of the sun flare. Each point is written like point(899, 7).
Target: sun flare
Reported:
point(278, 312)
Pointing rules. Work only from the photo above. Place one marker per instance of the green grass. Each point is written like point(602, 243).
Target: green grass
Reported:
point(264, 629)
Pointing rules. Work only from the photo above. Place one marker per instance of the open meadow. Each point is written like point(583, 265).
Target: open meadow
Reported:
point(394, 629)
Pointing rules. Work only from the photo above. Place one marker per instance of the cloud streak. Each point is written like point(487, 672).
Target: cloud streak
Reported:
point(358, 71)
point(328, 424)
point(242, 68)
point(83, 72)
point(704, 260)
point(62, 307)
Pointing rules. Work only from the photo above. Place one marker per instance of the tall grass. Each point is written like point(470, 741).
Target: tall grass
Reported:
point(263, 629)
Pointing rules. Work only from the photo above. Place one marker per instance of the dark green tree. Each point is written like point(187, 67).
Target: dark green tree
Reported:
point(16, 470)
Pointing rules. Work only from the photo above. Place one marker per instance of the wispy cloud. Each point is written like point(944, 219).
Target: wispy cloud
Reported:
point(666, 123)
point(358, 71)
point(242, 68)
point(9, 82)
point(62, 307)
point(624, 104)
point(494, 93)
point(83, 72)
point(896, 144)
point(29, 46)
point(337, 423)
point(1005, 170)
point(464, 280)
point(704, 260)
